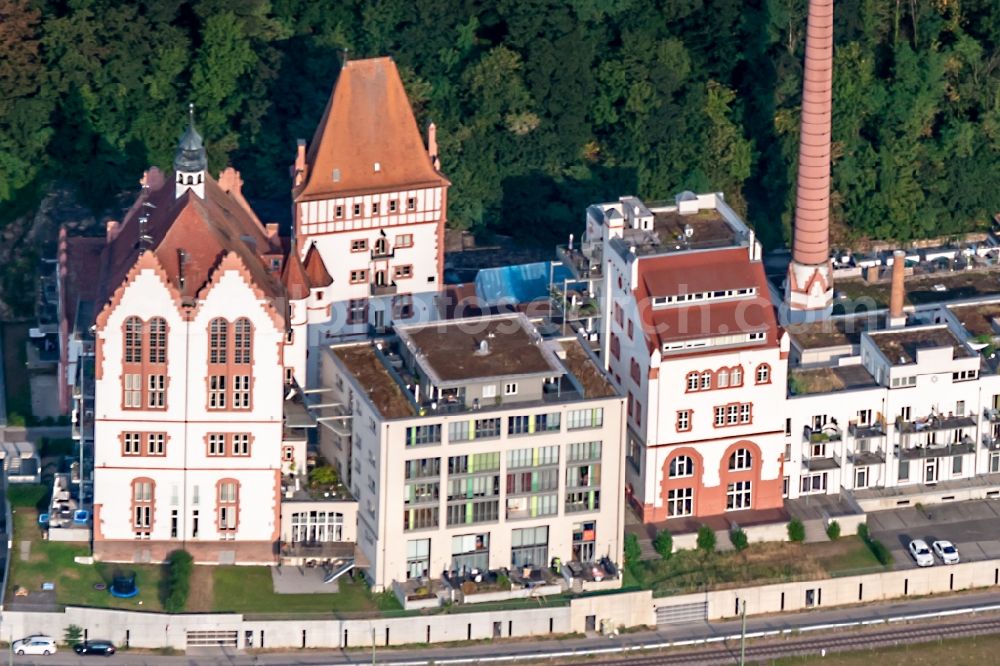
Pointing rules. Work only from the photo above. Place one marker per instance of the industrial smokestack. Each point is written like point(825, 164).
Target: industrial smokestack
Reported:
point(898, 294)
point(810, 275)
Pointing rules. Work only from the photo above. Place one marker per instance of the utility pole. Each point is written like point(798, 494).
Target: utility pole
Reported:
point(743, 633)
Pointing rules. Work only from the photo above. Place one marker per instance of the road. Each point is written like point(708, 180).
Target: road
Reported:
point(892, 633)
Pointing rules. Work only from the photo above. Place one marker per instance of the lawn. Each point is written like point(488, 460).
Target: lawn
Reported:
point(972, 650)
point(249, 590)
point(690, 571)
point(51, 561)
point(17, 386)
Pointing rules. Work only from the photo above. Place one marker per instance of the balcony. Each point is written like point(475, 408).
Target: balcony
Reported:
point(991, 443)
point(864, 458)
point(819, 464)
point(584, 267)
point(992, 415)
point(383, 289)
point(934, 423)
point(383, 253)
point(827, 434)
point(869, 431)
point(938, 451)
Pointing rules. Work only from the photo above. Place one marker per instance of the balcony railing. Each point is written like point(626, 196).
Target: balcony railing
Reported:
point(862, 458)
point(817, 436)
point(383, 254)
point(991, 443)
point(992, 415)
point(870, 431)
point(383, 289)
point(934, 423)
point(938, 451)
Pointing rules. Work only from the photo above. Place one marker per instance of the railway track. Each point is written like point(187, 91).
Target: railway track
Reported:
point(758, 652)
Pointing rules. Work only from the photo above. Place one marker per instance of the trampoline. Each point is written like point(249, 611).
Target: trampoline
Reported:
point(123, 585)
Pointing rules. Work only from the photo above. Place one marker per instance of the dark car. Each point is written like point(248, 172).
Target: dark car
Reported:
point(105, 648)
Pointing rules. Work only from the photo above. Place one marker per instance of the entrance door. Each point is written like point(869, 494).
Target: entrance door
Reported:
point(379, 320)
point(931, 471)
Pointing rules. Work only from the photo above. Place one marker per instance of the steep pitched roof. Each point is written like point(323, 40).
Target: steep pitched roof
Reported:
point(294, 277)
point(367, 121)
point(316, 268)
point(189, 237)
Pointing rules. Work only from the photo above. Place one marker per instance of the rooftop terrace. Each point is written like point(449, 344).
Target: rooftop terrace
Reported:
point(829, 379)
point(900, 347)
point(674, 232)
point(385, 393)
point(590, 378)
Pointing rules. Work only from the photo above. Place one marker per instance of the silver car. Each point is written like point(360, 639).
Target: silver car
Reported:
point(946, 551)
point(921, 553)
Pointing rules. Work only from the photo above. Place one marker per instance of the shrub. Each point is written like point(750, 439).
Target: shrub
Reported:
point(664, 544)
point(632, 550)
point(323, 476)
point(503, 582)
point(179, 567)
point(706, 539)
point(863, 532)
point(739, 539)
point(73, 634)
point(796, 531)
point(880, 552)
point(833, 530)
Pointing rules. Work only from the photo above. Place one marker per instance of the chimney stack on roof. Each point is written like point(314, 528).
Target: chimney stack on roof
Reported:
point(432, 145)
point(898, 294)
point(299, 169)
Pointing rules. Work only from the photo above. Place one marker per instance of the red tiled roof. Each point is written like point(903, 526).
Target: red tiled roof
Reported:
point(294, 277)
point(368, 120)
point(316, 269)
point(189, 236)
point(83, 259)
point(691, 272)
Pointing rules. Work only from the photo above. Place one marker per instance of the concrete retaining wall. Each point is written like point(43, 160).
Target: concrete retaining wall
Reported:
point(790, 597)
point(157, 630)
point(930, 496)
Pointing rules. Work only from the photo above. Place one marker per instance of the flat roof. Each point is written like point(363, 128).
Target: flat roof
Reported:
point(463, 350)
point(373, 377)
point(835, 332)
point(807, 381)
point(593, 381)
point(900, 347)
point(676, 232)
point(978, 319)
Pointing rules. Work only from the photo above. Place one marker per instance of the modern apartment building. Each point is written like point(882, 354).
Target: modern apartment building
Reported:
point(475, 444)
point(369, 200)
point(688, 333)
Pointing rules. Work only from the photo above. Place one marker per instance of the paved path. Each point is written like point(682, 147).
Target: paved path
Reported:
point(540, 648)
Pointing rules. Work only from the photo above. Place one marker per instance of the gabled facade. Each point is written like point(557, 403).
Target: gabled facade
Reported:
point(194, 347)
point(369, 201)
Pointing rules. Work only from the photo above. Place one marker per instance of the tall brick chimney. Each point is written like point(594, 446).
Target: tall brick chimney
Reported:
point(809, 288)
point(898, 294)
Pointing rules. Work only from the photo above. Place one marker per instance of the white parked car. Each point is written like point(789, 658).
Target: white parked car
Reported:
point(921, 553)
point(35, 645)
point(946, 551)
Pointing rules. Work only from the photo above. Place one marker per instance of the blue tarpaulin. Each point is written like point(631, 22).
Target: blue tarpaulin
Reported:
point(517, 284)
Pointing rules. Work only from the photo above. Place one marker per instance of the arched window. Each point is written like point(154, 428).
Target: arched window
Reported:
point(706, 380)
point(736, 376)
point(692, 381)
point(157, 340)
point(190, 180)
point(763, 373)
point(381, 247)
point(242, 341)
point(740, 460)
point(681, 466)
point(218, 340)
point(722, 378)
point(133, 340)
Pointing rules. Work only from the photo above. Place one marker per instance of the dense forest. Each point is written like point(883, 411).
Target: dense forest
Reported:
point(542, 105)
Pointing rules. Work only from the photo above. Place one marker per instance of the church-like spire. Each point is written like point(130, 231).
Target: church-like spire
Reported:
point(190, 160)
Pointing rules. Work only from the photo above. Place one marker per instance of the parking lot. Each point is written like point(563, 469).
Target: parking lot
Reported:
point(974, 528)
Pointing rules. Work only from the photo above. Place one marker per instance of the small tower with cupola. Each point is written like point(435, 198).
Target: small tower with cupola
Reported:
point(190, 161)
